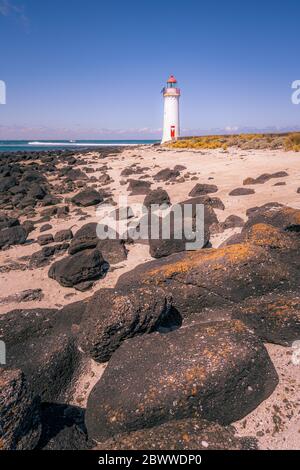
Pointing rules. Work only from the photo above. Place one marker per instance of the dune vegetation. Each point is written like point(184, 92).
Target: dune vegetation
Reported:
point(287, 141)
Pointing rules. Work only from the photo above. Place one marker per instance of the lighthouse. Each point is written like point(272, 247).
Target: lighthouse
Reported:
point(171, 95)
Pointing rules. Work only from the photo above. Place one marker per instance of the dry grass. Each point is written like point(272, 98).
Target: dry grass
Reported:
point(287, 141)
point(293, 142)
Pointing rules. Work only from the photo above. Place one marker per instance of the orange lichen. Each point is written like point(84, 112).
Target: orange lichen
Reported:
point(269, 236)
point(219, 258)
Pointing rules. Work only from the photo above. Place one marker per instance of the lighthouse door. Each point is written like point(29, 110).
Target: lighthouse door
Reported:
point(172, 132)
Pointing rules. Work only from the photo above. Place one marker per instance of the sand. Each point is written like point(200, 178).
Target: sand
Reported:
point(275, 429)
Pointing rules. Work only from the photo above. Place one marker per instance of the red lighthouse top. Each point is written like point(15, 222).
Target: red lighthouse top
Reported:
point(171, 79)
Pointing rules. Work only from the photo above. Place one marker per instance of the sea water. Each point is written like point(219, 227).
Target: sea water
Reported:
point(38, 145)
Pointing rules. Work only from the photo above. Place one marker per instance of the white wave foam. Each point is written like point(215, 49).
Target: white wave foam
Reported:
point(79, 144)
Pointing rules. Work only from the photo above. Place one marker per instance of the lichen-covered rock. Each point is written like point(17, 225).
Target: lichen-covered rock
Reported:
point(268, 236)
point(218, 371)
point(183, 434)
point(282, 217)
point(211, 277)
point(274, 317)
point(112, 316)
point(20, 425)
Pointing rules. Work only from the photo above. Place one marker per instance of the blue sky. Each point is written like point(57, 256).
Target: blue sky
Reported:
point(94, 69)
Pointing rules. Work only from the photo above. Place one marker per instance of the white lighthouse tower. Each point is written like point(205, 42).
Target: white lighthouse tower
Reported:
point(171, 94)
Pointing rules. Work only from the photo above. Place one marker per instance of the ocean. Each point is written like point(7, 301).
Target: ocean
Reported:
point(30, 145)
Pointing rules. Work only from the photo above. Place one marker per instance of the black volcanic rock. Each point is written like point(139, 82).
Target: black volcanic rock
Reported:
point(112, 316)
point(166, 175)
point(211, 277)
point(241, 192)
point(41, 342)
point(138, 187)
point(15, 235)
point(157, 196)
point(203, 189)
point(6, 222)
point(274, 317)
point(217, 371)
point(83, 266)
point(265, 177)
point(63, 235)
point(45, 239)
point(19, 412)
point(87, 197)
point(183, 434)
point(283, 217)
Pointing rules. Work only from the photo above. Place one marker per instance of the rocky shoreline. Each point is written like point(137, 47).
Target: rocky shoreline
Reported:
point(123, 344)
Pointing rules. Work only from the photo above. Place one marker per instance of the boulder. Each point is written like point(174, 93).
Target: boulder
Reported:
point(178, 240)
point(218, 371)
point(44, 256)
point(202, 189)
point(27, 295)
point(83, 266)
point(15, 235)
point(73, 174)
point(45, 227)
point(20, 424)
point(63, 235)
point(214, 202)
point(275, 317)
point(265, 177)
point(138, 187)
point(113, 251)
point(6, 222)
point(85, 237)
point(112, 316)
point(157, 196)
point(182, 434)
point(283, 217)
point(42, 343)
point(269, 236)
point(45, 239)
point(166, 175)
point(232, 221)
point(87, 197)
point(210, 277)
point(241, 192)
